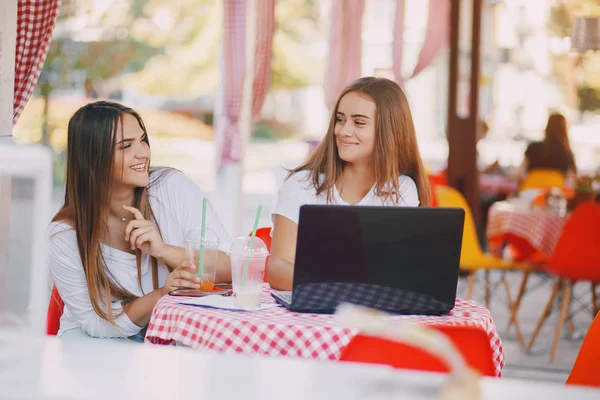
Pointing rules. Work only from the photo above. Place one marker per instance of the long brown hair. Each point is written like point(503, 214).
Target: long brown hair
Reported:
point(92, 136)
point(396, 150)
point(556, 134)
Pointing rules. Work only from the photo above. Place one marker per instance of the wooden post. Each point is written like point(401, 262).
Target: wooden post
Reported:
point(462, 153)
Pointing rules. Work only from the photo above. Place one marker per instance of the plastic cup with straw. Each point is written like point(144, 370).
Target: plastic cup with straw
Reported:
point(202, 234)
point(245, 270)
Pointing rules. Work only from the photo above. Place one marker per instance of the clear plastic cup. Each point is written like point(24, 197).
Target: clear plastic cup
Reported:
point(248, 270)
point(209, 247)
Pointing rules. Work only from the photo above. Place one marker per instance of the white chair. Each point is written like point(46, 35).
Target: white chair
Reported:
point(31, 162)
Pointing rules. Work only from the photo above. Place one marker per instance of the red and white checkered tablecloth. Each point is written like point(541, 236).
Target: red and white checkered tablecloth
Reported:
point(278, 331)
point(496, 184)
point(539, 229)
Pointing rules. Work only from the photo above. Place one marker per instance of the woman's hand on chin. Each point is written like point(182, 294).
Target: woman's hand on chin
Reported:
point(143, 234)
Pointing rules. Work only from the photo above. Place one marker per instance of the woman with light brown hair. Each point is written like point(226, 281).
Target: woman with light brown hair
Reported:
point(554, 152)
point(368, 157)
point(116, 245)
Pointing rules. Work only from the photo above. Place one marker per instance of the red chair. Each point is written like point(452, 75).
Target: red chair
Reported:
point(575, 259)
point(473, 343)
point(55, 311)
point(265, 235)
point(585, 370)
point(438, 179)
point(432, 184)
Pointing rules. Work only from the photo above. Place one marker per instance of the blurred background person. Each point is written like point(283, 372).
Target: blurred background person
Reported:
point(554, 152)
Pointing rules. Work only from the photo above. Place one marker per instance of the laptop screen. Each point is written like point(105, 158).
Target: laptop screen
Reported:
point(412, 250)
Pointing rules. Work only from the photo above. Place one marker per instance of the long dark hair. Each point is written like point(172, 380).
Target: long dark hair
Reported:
point(396, 150)
point(556, 135)
point(92, 137)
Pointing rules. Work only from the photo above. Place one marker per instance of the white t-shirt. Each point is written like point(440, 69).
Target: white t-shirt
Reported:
point(177, 205)
point(299, 190)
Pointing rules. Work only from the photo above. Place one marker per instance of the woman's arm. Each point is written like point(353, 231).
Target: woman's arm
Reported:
point(142, 234)
point(69, 278)
point(139, 311)
point(173, 256)
point(280, 270)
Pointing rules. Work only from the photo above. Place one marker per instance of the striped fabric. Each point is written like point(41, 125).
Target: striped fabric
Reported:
point(344, 48)
point(398, 42)
point(437, 36)
point(35, 22)
point(228, 140)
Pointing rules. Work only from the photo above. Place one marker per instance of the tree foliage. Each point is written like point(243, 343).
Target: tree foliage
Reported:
point(588, 65)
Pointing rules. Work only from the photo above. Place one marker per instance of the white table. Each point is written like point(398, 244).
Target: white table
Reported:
point(50, 368)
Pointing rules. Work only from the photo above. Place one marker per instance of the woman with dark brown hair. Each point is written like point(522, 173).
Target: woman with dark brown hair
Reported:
point(116, 245)
point(368, 157)
point(554, 152)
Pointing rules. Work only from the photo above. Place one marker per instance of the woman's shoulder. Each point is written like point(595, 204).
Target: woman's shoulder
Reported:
point(60, 227)
point(167, 177)
point(300, 181)
point(61, 234)
point(406, 180)
point(166, 181)
point(409, 194)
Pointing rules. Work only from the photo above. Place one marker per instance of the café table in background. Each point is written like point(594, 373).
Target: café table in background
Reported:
point(496, 185)
point(528, 230)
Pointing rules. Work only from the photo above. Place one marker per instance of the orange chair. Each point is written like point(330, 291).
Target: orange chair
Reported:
point(541, 178)
point(472, 257)
point(55, 311)
point(575, 259)
point(585, 370)
point(473, 343)
point(265, 235)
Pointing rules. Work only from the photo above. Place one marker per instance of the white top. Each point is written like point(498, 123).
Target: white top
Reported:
point(50, 368)
point(177, 205)
point(299, 190)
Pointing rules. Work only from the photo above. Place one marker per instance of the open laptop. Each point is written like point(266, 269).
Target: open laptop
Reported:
point(398, 259)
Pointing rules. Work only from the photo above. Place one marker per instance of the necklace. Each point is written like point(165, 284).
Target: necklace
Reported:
point(124, 219)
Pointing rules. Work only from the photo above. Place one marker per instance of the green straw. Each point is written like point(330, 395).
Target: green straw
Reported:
point(245, 272)
point(202, 232)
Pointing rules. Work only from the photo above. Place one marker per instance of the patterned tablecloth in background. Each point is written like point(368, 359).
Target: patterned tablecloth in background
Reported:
point(538, 229)
point(497, 185)
point(277, 331)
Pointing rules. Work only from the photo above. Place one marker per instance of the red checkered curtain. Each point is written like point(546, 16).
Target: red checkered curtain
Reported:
point(35, 22)
point(234, 70)
point(344, 47)
point(265, 27)
point(227, 134)
point(436, 36)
